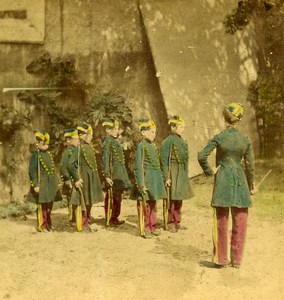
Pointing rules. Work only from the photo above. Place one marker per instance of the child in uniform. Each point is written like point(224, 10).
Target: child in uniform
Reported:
point(82, 166)
point(44, 188)
point(233, 186)
point(114, 170)
point(174, 162)
point(72, 141)
point(148, 176)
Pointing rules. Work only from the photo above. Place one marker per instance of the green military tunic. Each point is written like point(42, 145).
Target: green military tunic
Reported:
point(174, 163)
point(232, 182)
point(83, 160)
point(148, 172)
point(64, 173)
point(113, 163)
point(42, 175)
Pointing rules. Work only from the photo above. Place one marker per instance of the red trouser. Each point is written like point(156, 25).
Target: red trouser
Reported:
point(44, 215)
point(116, 206)
point(71, 208)
point(86, 216)
point(220, 234)
point(174, 213)
point(150, 215)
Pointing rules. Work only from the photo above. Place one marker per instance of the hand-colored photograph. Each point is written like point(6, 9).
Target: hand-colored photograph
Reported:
point(141, 149)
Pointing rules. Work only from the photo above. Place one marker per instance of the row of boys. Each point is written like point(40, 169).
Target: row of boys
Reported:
point(157, 176)
point(154, 173)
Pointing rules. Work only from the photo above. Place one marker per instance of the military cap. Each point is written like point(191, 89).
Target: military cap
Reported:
point(109, 122)
point(71, 133)
point(176, 120)
point(84, 128)
point(43, 136)
point(233, 112)
point(146, 124)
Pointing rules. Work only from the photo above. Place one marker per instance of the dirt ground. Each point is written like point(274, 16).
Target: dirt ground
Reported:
point(118, 264)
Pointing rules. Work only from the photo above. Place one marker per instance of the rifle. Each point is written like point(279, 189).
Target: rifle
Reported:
point(142, 212)
point(82, 206)
point(109, 205)
point(39, 208)
point(263, 178)
point(166, 206)
point(142, 205)
point(110, 196)
point(166, 202)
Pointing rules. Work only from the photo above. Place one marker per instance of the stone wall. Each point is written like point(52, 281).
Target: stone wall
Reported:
point(163, 56)
point(200, 67)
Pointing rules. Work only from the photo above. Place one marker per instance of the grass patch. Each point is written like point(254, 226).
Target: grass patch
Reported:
point(202, 188)
point(269, 201)
point(16, 210)
point(21, 209)
point(269, 205)
point(275, 180)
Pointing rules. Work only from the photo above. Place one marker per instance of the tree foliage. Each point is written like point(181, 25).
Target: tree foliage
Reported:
point(11, 123)
point(266, 94)
point(87, 104)
point(62, 100)
point(113, 105)
point(60, 72)
point(240, 17)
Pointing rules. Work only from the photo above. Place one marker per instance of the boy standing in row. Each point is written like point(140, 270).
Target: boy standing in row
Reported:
point(148, 178)
point(174, 161)
point(72, 141)
point(83, 168)
point(44, 188)
point(114, 171)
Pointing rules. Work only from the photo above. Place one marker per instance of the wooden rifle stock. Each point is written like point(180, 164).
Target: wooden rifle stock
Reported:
point(142, 212)
point(109, 206)
point(110, 195)
point(166, 202)
point(166, 206)
point(82, 206)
